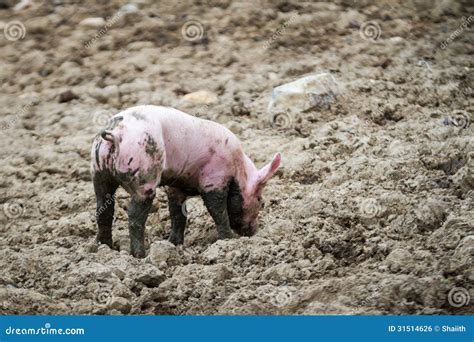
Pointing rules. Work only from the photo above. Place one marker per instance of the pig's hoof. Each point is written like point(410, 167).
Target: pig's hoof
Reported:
point(105, 241)
point(138, 254)
point(176, 240)
point(227, 234)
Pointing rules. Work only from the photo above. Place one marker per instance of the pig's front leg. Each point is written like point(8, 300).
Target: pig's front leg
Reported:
point(176, 199)
point(104, 188)
point(216, 203)
point(137, 216)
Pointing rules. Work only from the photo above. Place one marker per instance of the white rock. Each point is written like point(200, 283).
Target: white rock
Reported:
point(396, 40)
point(22, 5)
point(305, 93)
point(92, 22)
point(128, 8)
point(201, 97)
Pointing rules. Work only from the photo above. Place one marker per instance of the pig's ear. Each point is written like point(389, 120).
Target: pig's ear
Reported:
point(266, 172)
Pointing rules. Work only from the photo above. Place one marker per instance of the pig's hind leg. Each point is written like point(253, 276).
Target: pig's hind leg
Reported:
point(176, 199)
point(104, 188)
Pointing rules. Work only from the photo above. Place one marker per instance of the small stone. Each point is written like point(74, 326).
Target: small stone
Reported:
point(396, 40)
point(239, 109)
point(201, 97)
point(67, 96)
point(120, 304)
point(128, 8)
point(399, 260)
point(92, 22)
point(150, 276)
point(163, 252)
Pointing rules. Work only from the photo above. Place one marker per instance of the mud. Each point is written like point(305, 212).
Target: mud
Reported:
point(371, 213)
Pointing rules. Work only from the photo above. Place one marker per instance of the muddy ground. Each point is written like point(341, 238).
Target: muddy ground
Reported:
point(371, 213)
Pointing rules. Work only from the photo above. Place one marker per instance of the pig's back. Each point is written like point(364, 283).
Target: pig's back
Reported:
point(189, 141)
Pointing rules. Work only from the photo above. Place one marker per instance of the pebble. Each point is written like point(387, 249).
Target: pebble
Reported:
point(201, 97)
point(92, 22)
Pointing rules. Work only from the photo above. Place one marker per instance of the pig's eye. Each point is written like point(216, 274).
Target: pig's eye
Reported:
point(262, 204)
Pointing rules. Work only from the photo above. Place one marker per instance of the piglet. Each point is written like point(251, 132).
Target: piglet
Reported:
point(145, 147)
